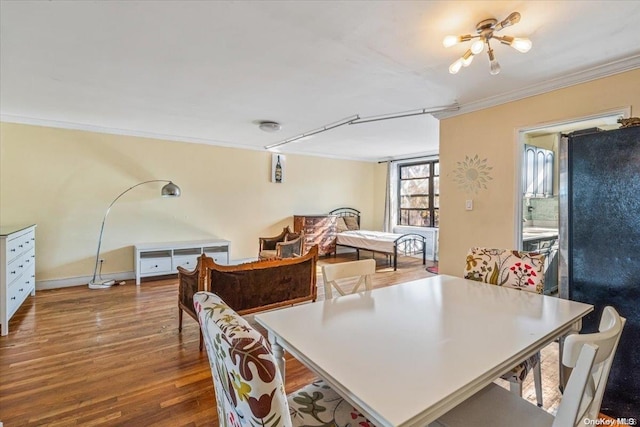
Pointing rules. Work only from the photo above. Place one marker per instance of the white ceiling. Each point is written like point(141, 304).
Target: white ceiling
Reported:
point(207, 71)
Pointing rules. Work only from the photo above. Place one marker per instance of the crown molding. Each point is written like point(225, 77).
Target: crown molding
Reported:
point(598, 72)
point(12, 118)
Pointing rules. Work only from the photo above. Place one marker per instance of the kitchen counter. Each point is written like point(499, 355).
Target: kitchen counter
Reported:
point(538, 233)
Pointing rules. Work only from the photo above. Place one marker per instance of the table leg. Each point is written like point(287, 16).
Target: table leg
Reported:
point(563, 371)
point(278, 353)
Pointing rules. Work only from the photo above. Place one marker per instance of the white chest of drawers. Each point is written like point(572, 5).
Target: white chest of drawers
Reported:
point(17, 270)
point(156, 259)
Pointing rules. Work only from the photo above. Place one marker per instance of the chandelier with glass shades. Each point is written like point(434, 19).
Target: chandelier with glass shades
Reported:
point(486, 30)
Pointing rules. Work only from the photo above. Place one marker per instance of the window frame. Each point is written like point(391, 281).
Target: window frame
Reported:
point(431, 196)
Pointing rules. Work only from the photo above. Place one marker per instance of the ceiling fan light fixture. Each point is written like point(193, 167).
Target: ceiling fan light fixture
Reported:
point(486, 29)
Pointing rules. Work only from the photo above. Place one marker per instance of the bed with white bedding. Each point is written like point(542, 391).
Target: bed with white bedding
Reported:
point(391, 244)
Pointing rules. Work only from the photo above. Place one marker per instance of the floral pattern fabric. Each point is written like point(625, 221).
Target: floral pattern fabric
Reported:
point(248, 386)
point(514, 269)
point(502, 267)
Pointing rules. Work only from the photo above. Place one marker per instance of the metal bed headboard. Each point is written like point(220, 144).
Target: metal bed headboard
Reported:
point(346, 212)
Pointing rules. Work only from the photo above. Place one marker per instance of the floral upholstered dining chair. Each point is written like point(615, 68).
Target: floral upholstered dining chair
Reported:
point(248, 385)
point(504, 267)
point(518, 270)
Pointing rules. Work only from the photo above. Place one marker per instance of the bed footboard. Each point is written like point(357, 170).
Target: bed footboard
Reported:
point(409, 244)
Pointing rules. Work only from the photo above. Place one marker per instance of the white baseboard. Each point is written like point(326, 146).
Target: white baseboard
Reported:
point(81, 280)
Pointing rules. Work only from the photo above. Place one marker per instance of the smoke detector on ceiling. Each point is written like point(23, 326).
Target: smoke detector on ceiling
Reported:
point(269, 126)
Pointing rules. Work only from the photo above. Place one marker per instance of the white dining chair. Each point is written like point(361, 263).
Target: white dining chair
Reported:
point(607, 339)
point(337, 276)
point(495, 406)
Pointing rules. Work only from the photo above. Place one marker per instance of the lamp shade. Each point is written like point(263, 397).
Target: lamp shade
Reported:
point(170, 190)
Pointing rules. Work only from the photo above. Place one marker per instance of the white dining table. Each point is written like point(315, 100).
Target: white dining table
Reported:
point(406, 354)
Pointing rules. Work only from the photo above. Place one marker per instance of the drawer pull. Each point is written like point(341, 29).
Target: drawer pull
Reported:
point(21, 266)
point(13, 298)
point(13, 249)
point(19, 246)
point(22, 289)
point(13, 272)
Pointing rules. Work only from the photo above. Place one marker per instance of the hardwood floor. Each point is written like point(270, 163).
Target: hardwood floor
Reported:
point(76, 356)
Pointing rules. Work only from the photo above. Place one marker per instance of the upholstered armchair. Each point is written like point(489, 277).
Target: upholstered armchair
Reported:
point(249, 387)
point(518, 270)
point(285, 245)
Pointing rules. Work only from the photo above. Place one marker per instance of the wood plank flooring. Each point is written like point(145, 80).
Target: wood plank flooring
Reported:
point(114, 357)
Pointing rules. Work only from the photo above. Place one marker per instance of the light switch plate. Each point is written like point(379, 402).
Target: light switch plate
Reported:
point(468, 205)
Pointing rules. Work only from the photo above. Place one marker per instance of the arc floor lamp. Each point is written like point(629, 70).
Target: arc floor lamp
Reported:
point(168, 190)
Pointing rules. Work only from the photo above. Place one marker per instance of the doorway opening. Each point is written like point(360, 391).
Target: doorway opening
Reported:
point(539, 193)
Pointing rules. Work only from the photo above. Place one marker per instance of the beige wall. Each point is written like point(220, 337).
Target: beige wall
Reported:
point(63, 181)
point(492, 135)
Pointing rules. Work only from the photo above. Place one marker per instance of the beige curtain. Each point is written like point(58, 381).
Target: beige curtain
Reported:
point(391, 196)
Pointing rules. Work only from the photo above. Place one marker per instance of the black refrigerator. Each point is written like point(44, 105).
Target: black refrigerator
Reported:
point(601, 225)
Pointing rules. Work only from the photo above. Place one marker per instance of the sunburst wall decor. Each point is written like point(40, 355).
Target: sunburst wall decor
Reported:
point(472, 174)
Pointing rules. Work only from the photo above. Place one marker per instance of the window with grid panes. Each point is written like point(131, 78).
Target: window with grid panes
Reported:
point(419, 194)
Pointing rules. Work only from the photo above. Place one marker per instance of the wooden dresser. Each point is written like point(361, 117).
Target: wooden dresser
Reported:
point(318, 230)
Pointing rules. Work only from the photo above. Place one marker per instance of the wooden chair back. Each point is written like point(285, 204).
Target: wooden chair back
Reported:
point(262, 285)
